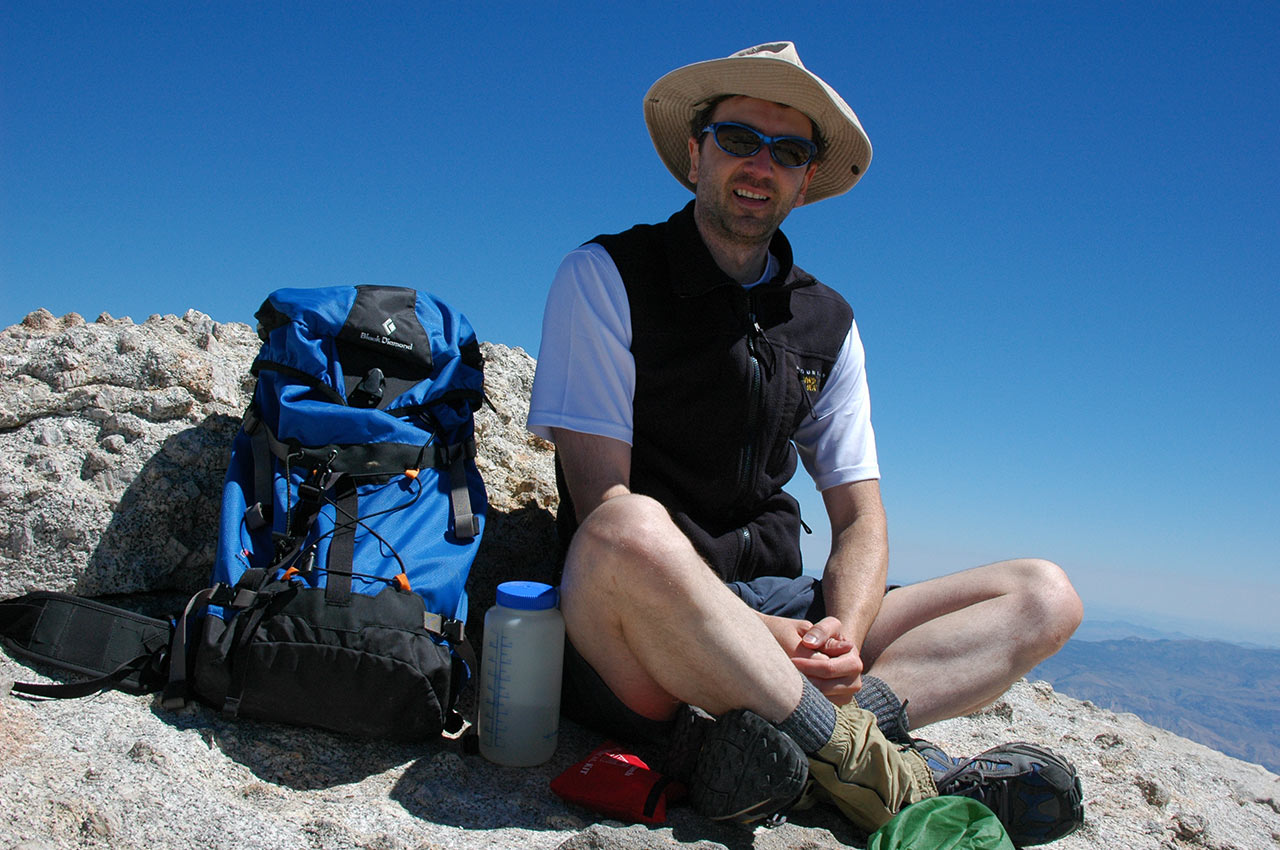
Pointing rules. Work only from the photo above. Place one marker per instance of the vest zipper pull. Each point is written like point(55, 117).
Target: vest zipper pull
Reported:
point(757, 332)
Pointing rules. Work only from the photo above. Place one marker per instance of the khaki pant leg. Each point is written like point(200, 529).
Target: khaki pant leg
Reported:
point(869, 778)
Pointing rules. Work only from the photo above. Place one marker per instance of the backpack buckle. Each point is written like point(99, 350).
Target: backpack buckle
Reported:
point(257, 517)
point(368, 393)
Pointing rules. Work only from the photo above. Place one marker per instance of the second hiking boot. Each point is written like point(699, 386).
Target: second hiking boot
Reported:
point(746, 770)
point(1033, 791)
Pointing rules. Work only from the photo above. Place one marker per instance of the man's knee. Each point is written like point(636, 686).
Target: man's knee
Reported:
point(1049, 601)
point(631, 527)
point(627, 541)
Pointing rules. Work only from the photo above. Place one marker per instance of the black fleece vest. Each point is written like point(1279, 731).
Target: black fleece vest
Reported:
point(724, 377)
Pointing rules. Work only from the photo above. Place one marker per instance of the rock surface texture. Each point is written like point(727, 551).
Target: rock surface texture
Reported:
point(113, 440)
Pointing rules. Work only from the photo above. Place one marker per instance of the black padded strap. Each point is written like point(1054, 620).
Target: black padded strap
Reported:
point(84, 636)
point(18, 619)
point(342, 548)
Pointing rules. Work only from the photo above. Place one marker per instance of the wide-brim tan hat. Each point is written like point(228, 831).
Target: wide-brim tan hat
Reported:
point(768, 72)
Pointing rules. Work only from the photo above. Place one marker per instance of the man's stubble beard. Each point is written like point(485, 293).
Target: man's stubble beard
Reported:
point(714, 211)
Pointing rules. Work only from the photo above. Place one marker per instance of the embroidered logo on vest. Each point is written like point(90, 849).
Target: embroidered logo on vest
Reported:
point(811, 379)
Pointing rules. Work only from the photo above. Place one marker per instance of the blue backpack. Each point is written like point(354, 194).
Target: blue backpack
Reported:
point(351, 514)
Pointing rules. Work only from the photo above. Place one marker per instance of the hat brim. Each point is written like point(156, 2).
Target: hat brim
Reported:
point(673, 100)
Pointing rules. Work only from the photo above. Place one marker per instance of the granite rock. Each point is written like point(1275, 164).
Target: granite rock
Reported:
point(113, 438)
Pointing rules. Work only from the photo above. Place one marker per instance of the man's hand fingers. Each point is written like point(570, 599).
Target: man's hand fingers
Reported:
point(835, 668)
point(837, 646)
point(839, 691)
point(822, 631)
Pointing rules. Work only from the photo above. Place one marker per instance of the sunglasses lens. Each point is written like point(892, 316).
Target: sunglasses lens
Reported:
point(741, 140)
point(790, 153)
point(737, 140)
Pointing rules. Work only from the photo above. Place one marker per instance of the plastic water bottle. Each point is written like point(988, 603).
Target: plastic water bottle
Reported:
point(519, 721)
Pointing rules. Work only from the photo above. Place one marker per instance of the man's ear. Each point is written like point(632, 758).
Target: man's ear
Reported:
point(804, 187)
point(694, 153)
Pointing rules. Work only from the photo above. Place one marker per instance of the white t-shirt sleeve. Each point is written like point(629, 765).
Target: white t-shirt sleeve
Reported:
point(586, 376)
point(837, 444)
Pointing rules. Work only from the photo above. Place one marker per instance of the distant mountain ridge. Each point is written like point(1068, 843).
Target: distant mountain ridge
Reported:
point(1098, 630)
point(1118, 628)
point(1223, 695)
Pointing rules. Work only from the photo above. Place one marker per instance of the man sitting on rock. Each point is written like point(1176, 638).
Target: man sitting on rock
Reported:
point(680, 363)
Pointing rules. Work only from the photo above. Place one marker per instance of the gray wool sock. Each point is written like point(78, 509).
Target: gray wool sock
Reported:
point(891, 714)
point(813, 721)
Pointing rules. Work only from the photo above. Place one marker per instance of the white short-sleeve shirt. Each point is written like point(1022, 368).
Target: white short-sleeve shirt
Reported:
point(585, 380)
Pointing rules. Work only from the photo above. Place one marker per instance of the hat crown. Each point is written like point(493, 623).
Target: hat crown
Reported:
point(784, 50)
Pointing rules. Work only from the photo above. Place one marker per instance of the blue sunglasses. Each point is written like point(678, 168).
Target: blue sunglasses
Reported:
point(740, 140)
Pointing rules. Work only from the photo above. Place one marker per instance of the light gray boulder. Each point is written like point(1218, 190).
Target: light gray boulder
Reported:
point(114, 438)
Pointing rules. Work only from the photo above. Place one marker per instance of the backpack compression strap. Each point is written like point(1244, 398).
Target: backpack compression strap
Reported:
point(118, 648)
point(363, 460)
point(242, 595)
point(342, 549)
point(466, 525)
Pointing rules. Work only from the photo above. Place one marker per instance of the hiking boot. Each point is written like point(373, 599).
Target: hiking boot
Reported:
point(688, 734)
point(738, 768)
point(934, 756)
point(1033, 791)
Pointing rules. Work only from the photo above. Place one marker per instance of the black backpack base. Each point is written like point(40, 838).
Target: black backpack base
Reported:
point(369, 668)
point(379, 669)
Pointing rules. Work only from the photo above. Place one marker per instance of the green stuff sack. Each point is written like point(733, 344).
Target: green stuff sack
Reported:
point(942, 823)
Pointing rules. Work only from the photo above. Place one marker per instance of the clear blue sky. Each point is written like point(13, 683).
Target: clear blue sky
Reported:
point(1064, 258)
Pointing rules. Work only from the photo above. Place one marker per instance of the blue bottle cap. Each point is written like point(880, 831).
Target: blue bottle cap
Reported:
point(527, 595)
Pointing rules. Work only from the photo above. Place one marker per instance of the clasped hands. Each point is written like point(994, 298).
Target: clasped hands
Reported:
point(822, 653)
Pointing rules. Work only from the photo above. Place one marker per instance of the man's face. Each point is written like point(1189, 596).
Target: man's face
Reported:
point(745, 199)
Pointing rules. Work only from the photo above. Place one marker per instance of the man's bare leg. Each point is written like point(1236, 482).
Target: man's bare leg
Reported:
point(954, 644)
point(660, 628)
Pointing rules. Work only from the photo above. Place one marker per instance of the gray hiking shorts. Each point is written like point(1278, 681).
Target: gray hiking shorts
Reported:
point(587, 700)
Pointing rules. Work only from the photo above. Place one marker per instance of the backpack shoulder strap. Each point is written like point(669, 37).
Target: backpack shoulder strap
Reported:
point(119, 648)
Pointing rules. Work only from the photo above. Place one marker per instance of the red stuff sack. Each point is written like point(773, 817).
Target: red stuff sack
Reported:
point(617, 783)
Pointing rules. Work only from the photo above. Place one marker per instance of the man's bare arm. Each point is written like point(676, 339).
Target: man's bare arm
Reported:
point(854, 580)
point(595, 468)
point(829, 652)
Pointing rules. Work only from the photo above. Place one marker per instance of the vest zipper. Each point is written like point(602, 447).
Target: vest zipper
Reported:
point(755, 408)
point(744, 554)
